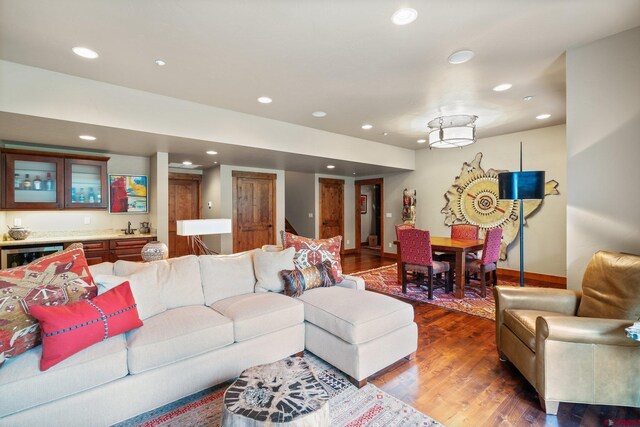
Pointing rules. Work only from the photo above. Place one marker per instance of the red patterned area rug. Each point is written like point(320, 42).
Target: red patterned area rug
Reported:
point(385, 280)
point(348, 406)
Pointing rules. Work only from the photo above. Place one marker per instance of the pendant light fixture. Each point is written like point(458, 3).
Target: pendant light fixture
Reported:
point(452, 131)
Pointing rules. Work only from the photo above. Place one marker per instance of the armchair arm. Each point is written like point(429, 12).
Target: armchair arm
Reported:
point(561, 301)
point(585, 330)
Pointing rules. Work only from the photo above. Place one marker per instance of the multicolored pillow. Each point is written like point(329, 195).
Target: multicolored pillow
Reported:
point(310, 252)
point(70, 328)
point(58, 279)
point(316, 276)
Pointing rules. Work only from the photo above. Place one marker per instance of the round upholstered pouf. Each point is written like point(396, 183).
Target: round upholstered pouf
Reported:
point(284, 393)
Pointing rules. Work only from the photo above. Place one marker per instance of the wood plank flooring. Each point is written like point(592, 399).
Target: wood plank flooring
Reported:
point(457, 379)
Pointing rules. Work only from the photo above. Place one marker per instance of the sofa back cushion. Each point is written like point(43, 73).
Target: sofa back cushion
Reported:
point(225, 276)
point(611, 287)
point(178, 278)
point(268, 265)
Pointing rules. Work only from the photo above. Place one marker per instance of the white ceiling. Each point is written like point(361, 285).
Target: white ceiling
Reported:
point(344, 57)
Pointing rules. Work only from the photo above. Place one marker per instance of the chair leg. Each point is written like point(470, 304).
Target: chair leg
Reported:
point(494, 278)
point(450, 280)
point(483, 282)
point(430, 283)
point(404, 278)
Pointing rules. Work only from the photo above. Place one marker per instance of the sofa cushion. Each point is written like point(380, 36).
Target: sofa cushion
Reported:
point(355, 316)
point(175, 335)
point(69, 329)
point(102, 268)
point(523, 324)
point(611, 287)
point(144, 285)
point(24, 386)
point(298, 281)
point(178, 278)
point(259, 314)
point(57, 279)
point(225, 276)
point(267, 266)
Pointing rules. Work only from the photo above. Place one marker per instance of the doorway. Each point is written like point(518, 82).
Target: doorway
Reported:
point(185, 202)
point(332, 208)
point(369, 219)
point(254, 210)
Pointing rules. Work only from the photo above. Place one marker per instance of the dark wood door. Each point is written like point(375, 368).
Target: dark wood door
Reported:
point(331, 208)
point(254, 210)
point(185, 202)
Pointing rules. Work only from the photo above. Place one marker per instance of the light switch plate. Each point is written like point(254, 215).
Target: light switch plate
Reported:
point(348, 242)
point(310, 214)
point(390, 244)
point(389, 215)
point(17, 222)
point(87, 220)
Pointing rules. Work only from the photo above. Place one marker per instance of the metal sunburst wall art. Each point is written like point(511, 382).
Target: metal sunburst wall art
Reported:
point(473, 199)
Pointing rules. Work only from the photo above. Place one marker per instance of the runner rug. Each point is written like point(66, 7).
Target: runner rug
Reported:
point(348, 405)
point(385, 280)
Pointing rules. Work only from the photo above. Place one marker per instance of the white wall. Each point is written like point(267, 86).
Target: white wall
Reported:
point(365, 219)
point(349, 208)
point(545, 232)
point(211, 193)
point(159, 195)
point(603, 131)
point(300, 202)
point(65, 220)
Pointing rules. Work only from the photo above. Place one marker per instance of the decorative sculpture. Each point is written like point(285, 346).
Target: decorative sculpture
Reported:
point(409, 206)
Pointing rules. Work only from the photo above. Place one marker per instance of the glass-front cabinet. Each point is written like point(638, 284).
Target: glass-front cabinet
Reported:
point(33, 181)
point(85, 184)
point(40, 181)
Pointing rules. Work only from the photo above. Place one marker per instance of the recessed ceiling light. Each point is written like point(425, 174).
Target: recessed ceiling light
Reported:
point(404, 16)
point(502, 87)
point(460, 57)
point(543, 116)
point(385, 133)
point(85, 52)
point(367, 126)
point(318, 114)
point(211, 152)
point(187, 163)
point(331, 167)
point(421, 141)
point(265, 100)
point(528, 98)
point(160, 62)
point(87, 137)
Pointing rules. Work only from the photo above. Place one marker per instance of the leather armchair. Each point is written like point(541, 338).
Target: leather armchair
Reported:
point(571, 345)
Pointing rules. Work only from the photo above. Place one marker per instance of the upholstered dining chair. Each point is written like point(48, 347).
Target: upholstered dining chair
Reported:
point(461, 231)
point(403, 226)
point(488, 262)
point(416, 256)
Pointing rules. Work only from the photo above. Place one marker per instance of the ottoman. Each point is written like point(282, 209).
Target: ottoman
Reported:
point(358, 332)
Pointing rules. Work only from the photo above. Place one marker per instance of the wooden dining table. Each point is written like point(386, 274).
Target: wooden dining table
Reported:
point(459, 247)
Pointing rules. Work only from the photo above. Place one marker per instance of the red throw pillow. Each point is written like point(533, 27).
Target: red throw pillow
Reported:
point(58, 279)
point(310, 252)
point(73, 327)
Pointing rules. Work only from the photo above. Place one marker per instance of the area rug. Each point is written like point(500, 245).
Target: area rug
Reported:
point(348, 405)
point(385, 280)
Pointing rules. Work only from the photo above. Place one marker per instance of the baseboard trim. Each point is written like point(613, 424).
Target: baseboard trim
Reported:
point(503, 273)
point(390, 255)
point(349, 251)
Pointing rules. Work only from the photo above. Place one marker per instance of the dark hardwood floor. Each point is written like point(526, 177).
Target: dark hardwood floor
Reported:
point(457, 379)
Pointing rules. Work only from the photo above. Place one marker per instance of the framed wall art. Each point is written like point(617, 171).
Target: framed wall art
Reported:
point(363, 204)
point(128, 194)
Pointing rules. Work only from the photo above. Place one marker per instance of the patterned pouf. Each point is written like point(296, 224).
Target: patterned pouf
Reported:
point(283, 393)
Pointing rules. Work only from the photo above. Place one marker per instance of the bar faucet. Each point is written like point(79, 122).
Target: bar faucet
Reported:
point(128, 230)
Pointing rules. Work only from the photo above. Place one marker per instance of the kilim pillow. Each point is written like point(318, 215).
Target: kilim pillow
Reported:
point(310, 252)
point(68, 329)
point(298, 281)
point(58, 279)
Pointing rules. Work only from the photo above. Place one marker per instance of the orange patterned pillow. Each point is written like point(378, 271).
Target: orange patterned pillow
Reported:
point(310, 252)
point(57, 279)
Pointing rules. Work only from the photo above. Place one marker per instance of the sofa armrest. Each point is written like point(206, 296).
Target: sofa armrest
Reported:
point(585, 330)
point(561, 301)
point(352, 282)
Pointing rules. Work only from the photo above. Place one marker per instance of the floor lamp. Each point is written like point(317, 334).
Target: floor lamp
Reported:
point(521, 186)
point(195, 228)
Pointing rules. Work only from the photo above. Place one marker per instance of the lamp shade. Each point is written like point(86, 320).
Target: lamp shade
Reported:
point(203, 227)
point(521, 185)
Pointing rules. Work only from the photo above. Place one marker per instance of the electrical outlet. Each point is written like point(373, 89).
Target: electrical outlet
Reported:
point(348, 242)
point(17, 222)
point(209, 205)
point(389, 215)
point(390, 244)
point(87, 220)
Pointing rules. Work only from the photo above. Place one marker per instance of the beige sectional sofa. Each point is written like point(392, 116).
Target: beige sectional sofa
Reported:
point(205, 323)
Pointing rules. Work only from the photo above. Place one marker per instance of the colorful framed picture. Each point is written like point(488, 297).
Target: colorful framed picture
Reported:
point(128, 194)
point(363, 203)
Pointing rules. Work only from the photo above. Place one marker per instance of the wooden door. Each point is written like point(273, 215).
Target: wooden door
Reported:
point(331, 208)
point(185, 202)
point(254, 210)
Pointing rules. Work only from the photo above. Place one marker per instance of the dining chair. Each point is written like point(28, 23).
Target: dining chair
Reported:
point(403, 226)
point(416, 256)
point(461, 231)
point(488, 262)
